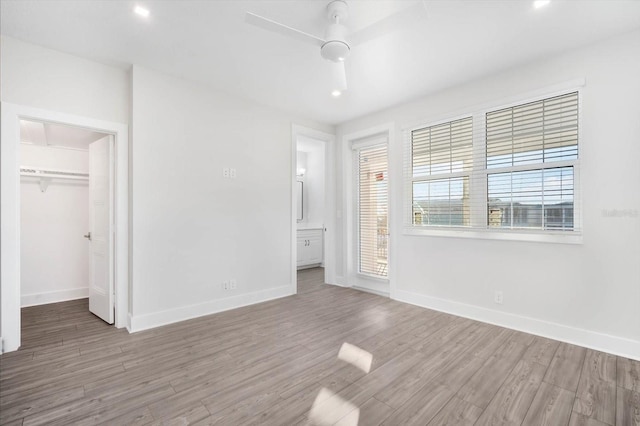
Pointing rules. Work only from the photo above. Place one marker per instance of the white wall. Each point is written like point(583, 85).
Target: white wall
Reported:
point(45, 78)
point(314, 181)
point(193, 229)
point(54, 256)
point(49, 83)
point(588, 293)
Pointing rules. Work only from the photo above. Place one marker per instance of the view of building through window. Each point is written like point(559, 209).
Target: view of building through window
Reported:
point(528, 169)
point(534, 137)
point(532, 199)
point(441, 165)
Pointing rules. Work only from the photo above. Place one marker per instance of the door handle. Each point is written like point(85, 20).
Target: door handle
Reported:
point(88, 236)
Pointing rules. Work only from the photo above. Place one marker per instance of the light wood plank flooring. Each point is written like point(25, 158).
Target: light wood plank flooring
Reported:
point(325, 356)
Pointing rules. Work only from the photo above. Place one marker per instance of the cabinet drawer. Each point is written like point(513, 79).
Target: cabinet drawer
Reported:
point(309, 233)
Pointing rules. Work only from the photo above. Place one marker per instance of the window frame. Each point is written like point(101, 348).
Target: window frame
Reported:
point(438, 176)
point(479, 175)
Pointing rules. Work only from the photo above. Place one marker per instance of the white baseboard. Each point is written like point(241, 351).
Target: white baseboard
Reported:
point(340, 281)
point(53, 296)
point(590, 339)
point(309, 266)
point(129, 317)
point(170, 316)
point(371, 290)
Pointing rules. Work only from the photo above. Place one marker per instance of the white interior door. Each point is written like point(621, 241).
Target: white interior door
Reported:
point(100, 223)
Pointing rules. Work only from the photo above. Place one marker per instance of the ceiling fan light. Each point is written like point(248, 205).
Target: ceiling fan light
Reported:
point(335, 50)
point(336, 93)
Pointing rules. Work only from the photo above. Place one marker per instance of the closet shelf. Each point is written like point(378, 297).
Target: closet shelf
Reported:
point(46, 175)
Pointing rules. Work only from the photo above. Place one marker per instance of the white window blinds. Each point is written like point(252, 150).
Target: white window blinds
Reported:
point(514, 168)
point(372, 210)
point(531, 151)
point(537, 132)
point(441, 163)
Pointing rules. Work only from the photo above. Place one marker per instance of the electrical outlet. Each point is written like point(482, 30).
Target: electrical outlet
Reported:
point(226, 172)
point(225, 285)
point(232, 284)
point(232, 173)
point(497, 297)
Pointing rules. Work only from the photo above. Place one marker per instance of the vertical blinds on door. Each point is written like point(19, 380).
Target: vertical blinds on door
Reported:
point(373, 235)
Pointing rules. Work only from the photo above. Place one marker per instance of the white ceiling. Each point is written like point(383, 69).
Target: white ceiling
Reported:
point(57, 135)
point(209, 42)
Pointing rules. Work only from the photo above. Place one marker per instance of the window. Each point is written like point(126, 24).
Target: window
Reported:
point(441, 164)
point(511, 169)
point(530, 152)
point(373, 235)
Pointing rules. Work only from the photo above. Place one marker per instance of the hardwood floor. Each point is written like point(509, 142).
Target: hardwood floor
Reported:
point(325, 356)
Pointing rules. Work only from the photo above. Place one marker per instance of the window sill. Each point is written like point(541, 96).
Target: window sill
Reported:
point(573, 237)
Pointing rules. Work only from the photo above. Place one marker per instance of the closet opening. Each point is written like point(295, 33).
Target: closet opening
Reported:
point(67, 176)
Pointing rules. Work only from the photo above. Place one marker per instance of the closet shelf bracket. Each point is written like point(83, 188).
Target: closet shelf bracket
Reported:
point(44, 183)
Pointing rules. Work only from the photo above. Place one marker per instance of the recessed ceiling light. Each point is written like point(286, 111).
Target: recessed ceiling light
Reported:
point(336, 93)
point(141, 11)
point(540, 3)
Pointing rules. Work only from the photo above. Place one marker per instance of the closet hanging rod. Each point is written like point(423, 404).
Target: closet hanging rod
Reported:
point(50, 173)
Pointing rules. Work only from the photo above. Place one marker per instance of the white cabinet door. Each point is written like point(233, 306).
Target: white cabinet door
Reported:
point(309, 247)
point(301, 251)
point(314, 248)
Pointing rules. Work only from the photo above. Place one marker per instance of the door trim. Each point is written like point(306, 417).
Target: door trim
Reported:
point(330, 202)
point(349, 201)
point(10, 212)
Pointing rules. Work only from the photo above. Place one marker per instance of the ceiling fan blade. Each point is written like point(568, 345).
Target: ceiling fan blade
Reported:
point(403, 19)
point(268, 24)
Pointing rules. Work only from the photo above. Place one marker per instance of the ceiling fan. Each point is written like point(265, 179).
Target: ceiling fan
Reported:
point(337, 42)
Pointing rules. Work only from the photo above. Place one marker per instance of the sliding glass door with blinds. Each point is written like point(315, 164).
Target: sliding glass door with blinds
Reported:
point(372, 210)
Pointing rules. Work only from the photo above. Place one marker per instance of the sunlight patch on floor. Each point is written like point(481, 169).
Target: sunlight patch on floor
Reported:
point(328, 408)
point(356, 356)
